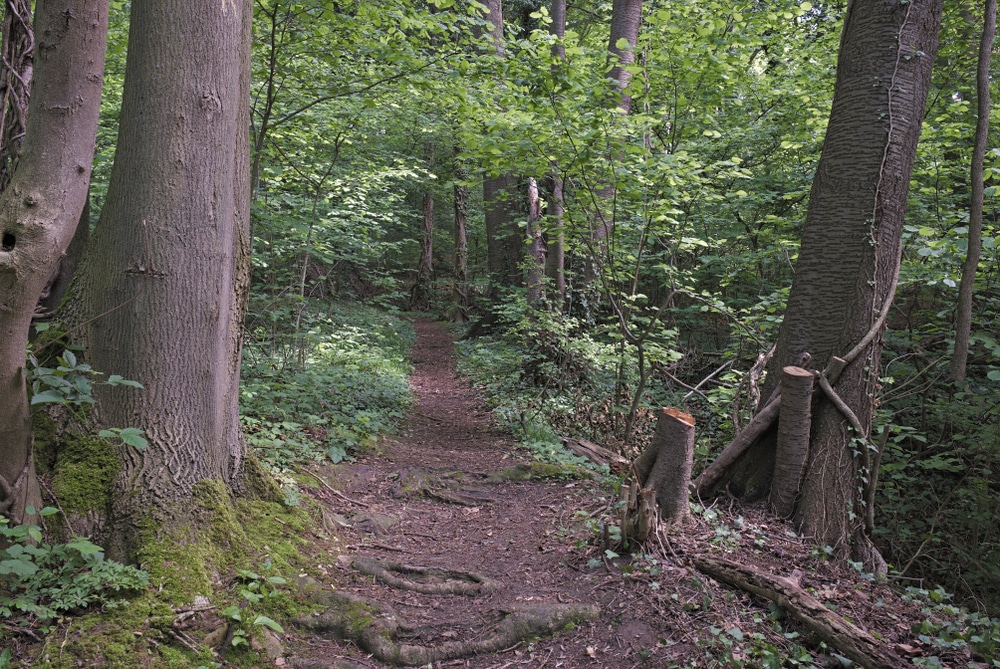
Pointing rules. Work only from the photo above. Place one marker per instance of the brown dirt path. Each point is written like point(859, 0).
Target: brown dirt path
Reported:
point(521, 534)
point(536, 539)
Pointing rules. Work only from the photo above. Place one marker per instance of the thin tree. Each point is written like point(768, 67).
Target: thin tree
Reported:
point(963, 312)
point(39, 212)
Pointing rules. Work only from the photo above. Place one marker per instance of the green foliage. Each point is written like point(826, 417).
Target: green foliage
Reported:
point(40, 582)
point(351, 388)
point(253, 590)
point(948, 627)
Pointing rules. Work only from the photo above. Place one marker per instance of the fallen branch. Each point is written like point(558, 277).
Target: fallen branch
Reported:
point(853, 642)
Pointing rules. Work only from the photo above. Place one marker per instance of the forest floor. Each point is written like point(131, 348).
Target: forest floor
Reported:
point(444, 495)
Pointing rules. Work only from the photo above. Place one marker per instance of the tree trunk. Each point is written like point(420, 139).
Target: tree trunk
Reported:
point(503, 238)
point(665, 465)
point(963, 312)
point(794, 416)
point(849, 259)
point(536, 250)
point(163, 287)
point(421, 295)
point(460, 277)
point(555, 259)
point(39, 211)
point(626, 17)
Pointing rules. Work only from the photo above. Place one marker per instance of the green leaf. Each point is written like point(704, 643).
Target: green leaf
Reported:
point(53, 396)
point(993, 375)
point(21, 568)
point(270, 624)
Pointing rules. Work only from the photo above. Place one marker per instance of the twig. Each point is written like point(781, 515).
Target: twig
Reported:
point(336, 492)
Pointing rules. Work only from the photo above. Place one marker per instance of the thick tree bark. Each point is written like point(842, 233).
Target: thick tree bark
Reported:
point(963, 312)
point(555, 259)
point(39, 211)
point(162, 290)
point(665, 465)
point(849, 259)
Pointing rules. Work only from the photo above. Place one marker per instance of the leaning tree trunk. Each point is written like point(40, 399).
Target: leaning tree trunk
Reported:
point(39, 211)
point(162, 290)
point(849, 260)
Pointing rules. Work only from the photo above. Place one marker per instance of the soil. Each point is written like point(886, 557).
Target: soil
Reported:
point(433, 497)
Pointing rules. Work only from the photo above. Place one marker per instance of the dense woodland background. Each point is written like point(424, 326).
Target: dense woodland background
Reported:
point(611, 220)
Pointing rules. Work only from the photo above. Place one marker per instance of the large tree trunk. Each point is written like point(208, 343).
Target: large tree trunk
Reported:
point(536, 248)
point(963, 312)
point(39, 211)
point(162, 290)
point(849, 259)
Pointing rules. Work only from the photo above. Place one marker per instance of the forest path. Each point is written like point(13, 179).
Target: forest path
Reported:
point(433, 498)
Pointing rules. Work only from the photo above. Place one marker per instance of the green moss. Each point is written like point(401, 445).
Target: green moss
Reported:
point(84, 471)
point(195, 551)
point(541, 470)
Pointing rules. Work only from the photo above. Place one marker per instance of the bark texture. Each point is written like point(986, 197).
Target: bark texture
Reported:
point(849, 259)
point(17, 68)
point(460, 276)
point(40, 208)
point(162, 290)
point(665, 465)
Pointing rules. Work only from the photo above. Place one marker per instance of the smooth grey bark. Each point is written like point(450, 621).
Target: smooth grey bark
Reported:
point(963, 312)
point(39, 211)
point(626, 18)
point(555, 259)
point(161, 293)
point(849, 258)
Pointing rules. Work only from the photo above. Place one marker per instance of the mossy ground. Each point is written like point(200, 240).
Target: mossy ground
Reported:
point(194, 560)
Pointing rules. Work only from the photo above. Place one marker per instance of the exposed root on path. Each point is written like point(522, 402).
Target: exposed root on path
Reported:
point(426, 580)
point(374, 628)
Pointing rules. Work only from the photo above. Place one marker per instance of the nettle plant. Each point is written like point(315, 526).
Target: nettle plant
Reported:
point(40, 582)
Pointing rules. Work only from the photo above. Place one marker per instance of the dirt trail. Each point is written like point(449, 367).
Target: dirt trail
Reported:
point(427, 500)
point(431, 500)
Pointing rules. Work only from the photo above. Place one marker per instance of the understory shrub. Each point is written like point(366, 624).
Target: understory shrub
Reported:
point(349, 387)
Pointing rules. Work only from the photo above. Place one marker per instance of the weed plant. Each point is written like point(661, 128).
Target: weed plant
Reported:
point(39, 582)
point(350, 387)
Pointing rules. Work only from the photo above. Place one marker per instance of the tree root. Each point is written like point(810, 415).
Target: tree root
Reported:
point(374, 628)
point(426, 580)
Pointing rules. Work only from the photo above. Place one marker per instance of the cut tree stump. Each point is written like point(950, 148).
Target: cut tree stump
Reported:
point(851, 641)
point(794, 419)
point(665, 465)
point(658, 487)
